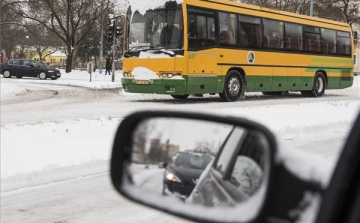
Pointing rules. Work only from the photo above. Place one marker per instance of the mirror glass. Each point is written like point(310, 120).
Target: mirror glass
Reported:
point(199, 164)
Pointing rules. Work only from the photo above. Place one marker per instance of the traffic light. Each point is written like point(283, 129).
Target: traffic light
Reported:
point(111, 31)
point(118, 31)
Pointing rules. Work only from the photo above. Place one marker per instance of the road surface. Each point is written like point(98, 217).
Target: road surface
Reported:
point(91, 198)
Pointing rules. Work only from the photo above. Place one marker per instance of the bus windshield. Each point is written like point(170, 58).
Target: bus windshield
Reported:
point(160, 28)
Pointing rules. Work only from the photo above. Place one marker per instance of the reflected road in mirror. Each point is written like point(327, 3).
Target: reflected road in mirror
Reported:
point(170, 154)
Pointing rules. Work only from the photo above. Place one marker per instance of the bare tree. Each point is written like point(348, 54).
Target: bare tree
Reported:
point(296, 6)
point(69, 20)
point(207, 147)
point(89, 48)
point(42, 41)
point(339, 10)
point(10, 28)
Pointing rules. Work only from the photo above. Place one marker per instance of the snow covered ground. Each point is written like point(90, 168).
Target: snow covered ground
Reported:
point(34, 154)
point(52, 145)
point(51, 151)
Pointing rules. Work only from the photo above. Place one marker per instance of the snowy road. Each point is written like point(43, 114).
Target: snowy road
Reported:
point(80, 191)
point(49, 102)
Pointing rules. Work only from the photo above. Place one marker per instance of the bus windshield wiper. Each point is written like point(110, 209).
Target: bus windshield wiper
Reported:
point(162, 50)
point(140, 50)
point(126, 53)
point(156, 50)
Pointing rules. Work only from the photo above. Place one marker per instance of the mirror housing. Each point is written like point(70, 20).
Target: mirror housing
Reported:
point(122, 178)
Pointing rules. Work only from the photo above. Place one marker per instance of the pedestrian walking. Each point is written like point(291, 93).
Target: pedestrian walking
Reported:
point(108, 66)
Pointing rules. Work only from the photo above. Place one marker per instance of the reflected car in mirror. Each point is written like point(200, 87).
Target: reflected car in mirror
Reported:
point(183, 172)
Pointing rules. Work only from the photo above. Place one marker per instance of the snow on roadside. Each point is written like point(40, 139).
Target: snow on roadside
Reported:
point(8, 90)
point(61, 151)
point(78, 78)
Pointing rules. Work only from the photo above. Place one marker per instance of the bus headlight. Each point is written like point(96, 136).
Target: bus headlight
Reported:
point(126, 74)
point(170, 75)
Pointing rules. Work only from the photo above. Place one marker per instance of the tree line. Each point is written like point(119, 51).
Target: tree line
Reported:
point(71, 26)
point(339, 10)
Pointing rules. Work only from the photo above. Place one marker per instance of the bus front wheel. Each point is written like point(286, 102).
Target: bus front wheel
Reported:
point(234, 87)
point(185, 96)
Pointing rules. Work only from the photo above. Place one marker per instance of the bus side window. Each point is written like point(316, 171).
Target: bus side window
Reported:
point(225, 37)
point(201, 27)
point(243, 38)
point(228, 28)
point(287, 42)
point(343, 43)
point(251, 28)
point(254, 36)
point(192, 26)
point(266, 42)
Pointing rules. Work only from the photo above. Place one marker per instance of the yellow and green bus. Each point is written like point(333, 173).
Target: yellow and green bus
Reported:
point(220, 47)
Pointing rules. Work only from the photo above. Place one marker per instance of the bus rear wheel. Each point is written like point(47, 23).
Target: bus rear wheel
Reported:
point(319, 85)
point(184, 96)
point(318, 88)
point(234, 87)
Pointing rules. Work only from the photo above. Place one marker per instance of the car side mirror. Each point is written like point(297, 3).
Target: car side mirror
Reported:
point(219, 164)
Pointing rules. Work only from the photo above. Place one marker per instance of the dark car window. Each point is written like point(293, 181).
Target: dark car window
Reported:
point(15, 62)
point(189, 160)
point(39, 64)
point(26, 62)
point(227, 152)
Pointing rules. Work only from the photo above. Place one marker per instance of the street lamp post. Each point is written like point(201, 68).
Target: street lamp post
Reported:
point(101, 37)
point(26, 50)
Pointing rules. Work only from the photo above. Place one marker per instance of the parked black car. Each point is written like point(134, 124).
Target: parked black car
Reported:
point(183, 172)
point(28, 68)
point(252, 179)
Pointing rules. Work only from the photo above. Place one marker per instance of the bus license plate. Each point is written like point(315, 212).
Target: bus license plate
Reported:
point(142, 82)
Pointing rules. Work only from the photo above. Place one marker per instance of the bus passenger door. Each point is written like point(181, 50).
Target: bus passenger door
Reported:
point(202, 73)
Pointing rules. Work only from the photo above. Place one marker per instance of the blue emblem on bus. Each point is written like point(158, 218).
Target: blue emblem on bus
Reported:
point(251, 57)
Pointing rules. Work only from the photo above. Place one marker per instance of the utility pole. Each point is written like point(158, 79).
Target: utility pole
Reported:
point(113, 54)
point(312, 8)
point(101, 37)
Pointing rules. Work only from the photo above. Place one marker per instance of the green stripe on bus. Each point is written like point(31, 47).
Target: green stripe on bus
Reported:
point(348, 61)
point(327, 69)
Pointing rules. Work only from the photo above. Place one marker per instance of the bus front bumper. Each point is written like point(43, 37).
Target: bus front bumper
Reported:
point(154, 86)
